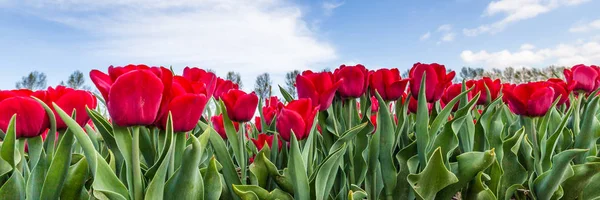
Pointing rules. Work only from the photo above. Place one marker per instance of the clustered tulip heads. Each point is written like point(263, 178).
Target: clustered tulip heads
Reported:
point(31, 118)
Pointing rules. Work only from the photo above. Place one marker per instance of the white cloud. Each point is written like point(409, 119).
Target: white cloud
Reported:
point(448, 37)
point(425, 36)
point(328, 6)
point(249, 37)
point(585, 27)
point(444, 28)
point(562, 54)
point(516, 10)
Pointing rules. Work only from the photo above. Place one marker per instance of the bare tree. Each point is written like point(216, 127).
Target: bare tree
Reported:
point(235, 78)
point(76, 81)
point(262, 87)
point(34, 81)
point(290, 82)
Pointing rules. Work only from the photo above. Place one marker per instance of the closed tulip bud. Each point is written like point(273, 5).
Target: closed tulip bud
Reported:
point(319, 87)
point(69, 99)
point(437, 79)
point(31, 119)
point(240, 105)
point(355, 80)
point(264, 139)
point(584, 78)
point(388, 83)
point(296, 116)
point(219, 125)
point(186, 104)
point(530, 99)
point(134, 93)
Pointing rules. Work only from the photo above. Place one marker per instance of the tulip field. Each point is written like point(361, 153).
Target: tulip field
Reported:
point(354, 133)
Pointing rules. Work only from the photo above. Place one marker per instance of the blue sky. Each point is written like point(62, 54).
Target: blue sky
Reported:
point(276, 36)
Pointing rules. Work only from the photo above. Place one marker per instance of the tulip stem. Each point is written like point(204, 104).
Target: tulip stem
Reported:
point(135, 160)
point(243, 160)
point(529, 125)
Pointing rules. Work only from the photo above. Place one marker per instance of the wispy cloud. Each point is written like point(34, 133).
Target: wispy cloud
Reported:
point(329, 6)
point(425, 36)
point(445, 28)
point(585, 27)
point(516, 10)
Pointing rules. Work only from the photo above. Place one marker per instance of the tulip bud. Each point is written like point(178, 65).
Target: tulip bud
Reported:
point(354, 80)
point(437, 79)
point(530, 99)
point(240, 106)
point(388, 83)
point(319, 87)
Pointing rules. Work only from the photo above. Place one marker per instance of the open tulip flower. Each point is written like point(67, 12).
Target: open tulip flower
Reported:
point(530, 99)
point(240, 105)
point(296, 116)
point(584, 78)
point(319, 87)
point(436, 81)
point(388, 83)
point(187, 101)
point(200, 78)
point(31, 117)
point(355, 80)
point(69, 100)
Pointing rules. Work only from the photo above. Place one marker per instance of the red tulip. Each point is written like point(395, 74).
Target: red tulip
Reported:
point(388, 83)
point(317, 86)
point(480, 87)
point(31, 119)
point(200, 78)
point(297, 115)
point(585, 78)
point(223, 86)
point(454, 90)
point(265, 139)
point(186, 104)
point(561, 89)
point(530, 99)
point(270, 109)
point(69, 99)
point(219, 125)
point(437, 79)
point(240, 106)
point(134, 93)
point(374, 104)
point(355, 80)
point(507, 87)
point(413, 105)
point(257, 123)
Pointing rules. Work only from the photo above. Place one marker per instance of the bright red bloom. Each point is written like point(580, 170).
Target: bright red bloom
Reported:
point(265, 139)
point(374, 104)
point(134, 93)
point(413, 105)
point(437, 79)
point(454, 90)
point(219, 125)
point(298, 116)
point(240, 106)
point(355, 80)
point(200, 78)
point(319, 87)
point(257, 123)
point(388, 83)
point(507, 87)
point(480, 87)
point(270, 109)
point(69, 99)
point(585, 78)
point(561, 89)
point(530, 99)
point(31, 119)
point(223, 86)
point(186, 104)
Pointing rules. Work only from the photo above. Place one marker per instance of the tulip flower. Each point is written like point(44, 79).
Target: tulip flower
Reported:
point(482, 86)
point(240, 105)
point(507, 87)
point(31, 119)
point(388, 83)
point(374, 104)
point(200, 78)
point(134, 93)
point(561, 89)
point(296, 116)
point(530, 99)
point(223, 86)
point(219, 126)
point(265, 139)
point(257, 123)
point(437, 79)
point(186, 104)
point(319, 87)
point(584, 78)
point(413, 105)
point(270, 109)
point(355, 80)
point(69, 99)
point(454, 90)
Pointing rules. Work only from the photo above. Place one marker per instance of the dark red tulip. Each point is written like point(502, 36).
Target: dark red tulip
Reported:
point(507, 87)
point(240, 106)
point(319, 87)
point(530, 99)
point(223, 86)
point(413, 105)
point(31, 119)
point(480, 87)
point(388, 83)
point(219, 125)
point(134, 93)
point(200, 78)
point(298, 116)
point(265, 139)
point(186, 104)
point(437, 79)
point(585, 78)
point(69, 99)
point(355, 80)
point(561, 89)
point(374, 105)
point(270, 109)
point(454, 90)
point(257, 123)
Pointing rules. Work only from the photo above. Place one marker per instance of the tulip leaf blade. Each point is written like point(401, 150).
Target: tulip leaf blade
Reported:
point(385, 128)
point(433, 178)
point(327, 173)
point(187, 182)
point(59, 167)
point(156, 187)
point(76, 177)
point(470, 164)
point(286, 95)
point(14, 187)
point(548, 182)
point(422, 124)
point(213, 186)
point(590, 130)
point(223, 156)
point(9, 144)
point(297, 171)
point(582, 176)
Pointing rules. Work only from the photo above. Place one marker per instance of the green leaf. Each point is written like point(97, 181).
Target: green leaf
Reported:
point(469, 165)
point(36, 148)
point(105, 182)
point(442, 117)
point(125, 144)
point(37, 177)
point(286, 95)
point(421, 125)
point(479, 190)
point(106, 130)
point(49, 143)
point(582, 176)
point(326, 175)
point(256, 192)
point(385, 127)
point(259, 172)
point(590, 130)
point(59, 167)
point(187, 183)
point(547, 184)
point(229, 170)
point(76, 178)
point(514, 172)
point(447, 139)
point(213, 187)
point(403, 187)
point(433, 178)
point(14, 188)
point(156, 187)
point(9, 144)
point(297, 171)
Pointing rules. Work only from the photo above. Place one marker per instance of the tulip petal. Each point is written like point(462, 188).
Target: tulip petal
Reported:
point(135, 98)
point(186, 111)
point(306, 89)
point(245, 107)
point(102, 82)
point(30, 116)
point(289, 120)
point(540, 101)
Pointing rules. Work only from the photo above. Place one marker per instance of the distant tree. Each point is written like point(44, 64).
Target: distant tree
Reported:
point(211, 70)
point(262, 87)
point(77, 81)
point(326, 70)
point(235, 78)
point(290, 82)
point(34, 81)
point(513, 75)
